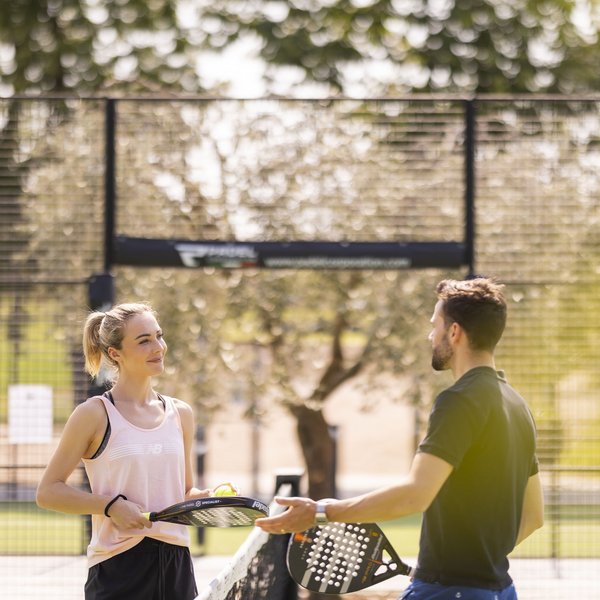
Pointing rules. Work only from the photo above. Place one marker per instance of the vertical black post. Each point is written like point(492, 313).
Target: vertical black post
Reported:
point(333, 435)
point(101, 291)
point(200, 482)
point(110, 181)
point(101, 296)
point(101, 288)
point(470, 185)
point(292, 478)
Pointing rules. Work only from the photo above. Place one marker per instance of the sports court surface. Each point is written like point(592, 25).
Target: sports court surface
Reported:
point(63, 577)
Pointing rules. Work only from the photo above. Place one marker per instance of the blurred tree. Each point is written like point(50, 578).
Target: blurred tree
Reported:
point(59, 46)
point(351, 321)
point(325, 329)
point(76, 45)
point(54, 46)
point(273, 171)
point(467, 46)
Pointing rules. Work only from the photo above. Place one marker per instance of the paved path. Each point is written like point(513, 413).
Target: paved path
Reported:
point(62, 577)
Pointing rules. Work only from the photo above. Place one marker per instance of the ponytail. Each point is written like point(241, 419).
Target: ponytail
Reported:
point(92, 347)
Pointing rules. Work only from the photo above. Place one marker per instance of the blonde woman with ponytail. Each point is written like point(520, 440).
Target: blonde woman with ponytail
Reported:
point(136, 447)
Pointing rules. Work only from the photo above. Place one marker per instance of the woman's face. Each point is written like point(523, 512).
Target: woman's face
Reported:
point(143, 347)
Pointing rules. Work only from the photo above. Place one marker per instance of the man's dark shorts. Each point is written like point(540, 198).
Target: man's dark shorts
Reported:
point(419, 590)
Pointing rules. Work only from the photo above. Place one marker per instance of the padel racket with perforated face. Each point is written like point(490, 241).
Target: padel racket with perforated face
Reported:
point(339, 558)
point(221, 511)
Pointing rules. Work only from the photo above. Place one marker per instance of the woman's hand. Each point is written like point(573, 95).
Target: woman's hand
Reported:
point(128, 515)
point(196, 493)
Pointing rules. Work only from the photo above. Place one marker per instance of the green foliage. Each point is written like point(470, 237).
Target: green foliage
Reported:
point(472, 45)
point(38, 356)
point(28, 530)
point(78, 45)
point(467, 46)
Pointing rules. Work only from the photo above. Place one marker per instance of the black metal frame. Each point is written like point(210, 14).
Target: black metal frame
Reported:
point(122, 250)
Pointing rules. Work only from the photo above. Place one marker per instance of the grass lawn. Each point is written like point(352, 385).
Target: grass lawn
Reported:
point(41, 356)
point(26, 529)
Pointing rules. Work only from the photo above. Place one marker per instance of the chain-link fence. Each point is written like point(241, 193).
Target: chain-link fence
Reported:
point(277, 170)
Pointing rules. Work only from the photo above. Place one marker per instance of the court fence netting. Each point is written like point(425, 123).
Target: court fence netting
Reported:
point(262, 222)
point(258, 571)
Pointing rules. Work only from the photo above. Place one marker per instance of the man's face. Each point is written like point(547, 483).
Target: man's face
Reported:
point(441, 351)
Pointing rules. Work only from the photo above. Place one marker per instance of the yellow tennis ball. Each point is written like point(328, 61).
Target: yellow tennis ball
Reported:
point(225, 490)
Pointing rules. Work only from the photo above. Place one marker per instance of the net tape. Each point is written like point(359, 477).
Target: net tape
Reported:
point(257, 568)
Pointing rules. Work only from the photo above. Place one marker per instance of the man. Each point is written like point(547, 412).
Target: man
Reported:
point(475, 475)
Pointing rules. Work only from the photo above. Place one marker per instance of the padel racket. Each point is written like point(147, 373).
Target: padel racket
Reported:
point(221, 511)
point(339, 558)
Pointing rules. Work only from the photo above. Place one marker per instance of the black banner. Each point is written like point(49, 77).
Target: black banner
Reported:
point(288, 255)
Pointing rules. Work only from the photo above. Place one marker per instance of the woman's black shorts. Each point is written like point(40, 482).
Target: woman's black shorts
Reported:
point(151, 570)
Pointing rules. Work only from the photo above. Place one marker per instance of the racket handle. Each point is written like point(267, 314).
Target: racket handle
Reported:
point(149, 515)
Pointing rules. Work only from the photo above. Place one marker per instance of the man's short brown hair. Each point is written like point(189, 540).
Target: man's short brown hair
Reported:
point(478, 306)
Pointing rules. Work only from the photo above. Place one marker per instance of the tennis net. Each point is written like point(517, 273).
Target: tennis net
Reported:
point(258, 570)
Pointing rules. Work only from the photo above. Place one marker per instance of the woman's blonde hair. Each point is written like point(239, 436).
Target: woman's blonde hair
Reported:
point(104, 330)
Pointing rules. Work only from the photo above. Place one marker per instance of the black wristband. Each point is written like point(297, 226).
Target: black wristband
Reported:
point(112, 502)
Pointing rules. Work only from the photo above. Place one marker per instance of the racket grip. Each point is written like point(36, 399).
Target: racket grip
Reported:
point(149, 515)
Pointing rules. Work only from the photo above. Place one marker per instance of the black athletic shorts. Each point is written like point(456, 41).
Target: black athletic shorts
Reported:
point(151, 570)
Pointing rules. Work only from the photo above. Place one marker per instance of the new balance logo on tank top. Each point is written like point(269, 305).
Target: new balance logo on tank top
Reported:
point(145, 465)
point(126, 450)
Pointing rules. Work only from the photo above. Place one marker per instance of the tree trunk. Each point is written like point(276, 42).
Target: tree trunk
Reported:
point(314, 434)
point(318, 450)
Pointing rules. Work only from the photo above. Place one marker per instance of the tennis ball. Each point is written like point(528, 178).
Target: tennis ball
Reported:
point(225, 489)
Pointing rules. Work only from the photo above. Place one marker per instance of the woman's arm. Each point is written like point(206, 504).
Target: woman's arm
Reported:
point(80, 438)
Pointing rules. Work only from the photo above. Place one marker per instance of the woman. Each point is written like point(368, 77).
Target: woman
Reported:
point(136, 449)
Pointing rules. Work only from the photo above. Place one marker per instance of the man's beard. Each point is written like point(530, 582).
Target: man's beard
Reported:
point(441, 355)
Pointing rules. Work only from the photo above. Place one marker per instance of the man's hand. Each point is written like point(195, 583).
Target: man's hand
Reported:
point(299, 516)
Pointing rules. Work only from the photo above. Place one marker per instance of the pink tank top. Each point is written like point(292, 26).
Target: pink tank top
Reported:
point(148, 467)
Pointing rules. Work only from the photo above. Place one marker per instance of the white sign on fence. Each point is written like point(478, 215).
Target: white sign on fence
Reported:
point(29, 414)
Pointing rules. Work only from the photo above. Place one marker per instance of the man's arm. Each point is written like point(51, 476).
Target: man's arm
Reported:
point(413, 494)
point(532, 517)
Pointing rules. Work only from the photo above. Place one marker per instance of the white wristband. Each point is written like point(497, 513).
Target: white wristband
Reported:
point(321, 513)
